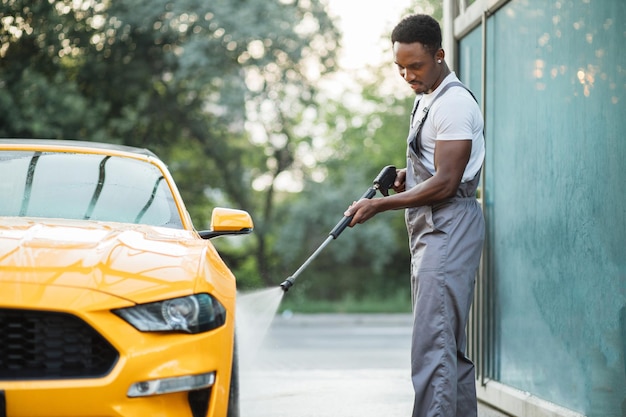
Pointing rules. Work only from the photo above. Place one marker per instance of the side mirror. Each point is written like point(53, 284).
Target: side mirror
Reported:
point(225, 221)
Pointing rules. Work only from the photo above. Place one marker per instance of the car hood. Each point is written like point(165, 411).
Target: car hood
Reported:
point(134, 262)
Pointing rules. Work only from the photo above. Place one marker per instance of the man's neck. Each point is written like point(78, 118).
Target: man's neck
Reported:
point(445, 71)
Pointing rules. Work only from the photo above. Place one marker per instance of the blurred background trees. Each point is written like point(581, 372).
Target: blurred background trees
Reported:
point(228, 94)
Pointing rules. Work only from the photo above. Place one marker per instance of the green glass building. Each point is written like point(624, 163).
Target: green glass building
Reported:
point(548, 329)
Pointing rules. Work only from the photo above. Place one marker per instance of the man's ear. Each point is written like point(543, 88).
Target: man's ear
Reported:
point(440, 55)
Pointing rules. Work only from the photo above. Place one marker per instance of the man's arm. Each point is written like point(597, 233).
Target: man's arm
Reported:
point(451, 158)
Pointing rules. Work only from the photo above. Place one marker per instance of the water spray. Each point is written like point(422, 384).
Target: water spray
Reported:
point(383, 182)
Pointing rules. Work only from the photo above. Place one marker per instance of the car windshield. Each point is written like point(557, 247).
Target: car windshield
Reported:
point(85, 186)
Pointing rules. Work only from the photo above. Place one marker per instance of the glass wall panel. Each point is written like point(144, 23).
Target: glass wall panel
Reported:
point(470, 65)
point(556, 201)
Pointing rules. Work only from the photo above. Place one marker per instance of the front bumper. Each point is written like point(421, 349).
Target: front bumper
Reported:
point(140, 357)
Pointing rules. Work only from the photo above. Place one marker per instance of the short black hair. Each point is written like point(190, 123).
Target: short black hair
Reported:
point(420, 28)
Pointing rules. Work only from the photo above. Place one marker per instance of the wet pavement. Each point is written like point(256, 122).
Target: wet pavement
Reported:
point(331, 366)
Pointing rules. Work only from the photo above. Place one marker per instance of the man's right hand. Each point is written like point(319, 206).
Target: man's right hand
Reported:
point(399, 183)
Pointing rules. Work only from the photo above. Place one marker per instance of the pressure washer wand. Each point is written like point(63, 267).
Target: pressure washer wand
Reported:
point(383, 182)
point(286, 284)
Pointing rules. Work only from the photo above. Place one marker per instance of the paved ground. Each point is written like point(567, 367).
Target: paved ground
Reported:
point(331, 366)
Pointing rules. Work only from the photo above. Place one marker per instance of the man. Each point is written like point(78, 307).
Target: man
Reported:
point(445, 224)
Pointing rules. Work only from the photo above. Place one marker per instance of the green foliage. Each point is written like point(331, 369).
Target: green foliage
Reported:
point(370, 261)
point(179, 77)
point(235, 251)
point(398, 302)
point(226, 92)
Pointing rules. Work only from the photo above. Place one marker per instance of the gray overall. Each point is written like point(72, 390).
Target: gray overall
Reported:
point(446, 241)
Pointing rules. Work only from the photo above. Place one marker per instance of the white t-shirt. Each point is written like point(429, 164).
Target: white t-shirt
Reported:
point(453, 116)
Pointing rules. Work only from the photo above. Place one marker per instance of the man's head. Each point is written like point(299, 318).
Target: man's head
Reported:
point(417, 52)
point(418, 28)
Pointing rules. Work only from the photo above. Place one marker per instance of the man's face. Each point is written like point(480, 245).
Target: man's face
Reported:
point(417, 66)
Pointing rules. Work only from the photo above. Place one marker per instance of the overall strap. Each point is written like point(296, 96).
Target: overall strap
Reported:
point(426, 109)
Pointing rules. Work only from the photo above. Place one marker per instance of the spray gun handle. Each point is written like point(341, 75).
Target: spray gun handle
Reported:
point(383, 182)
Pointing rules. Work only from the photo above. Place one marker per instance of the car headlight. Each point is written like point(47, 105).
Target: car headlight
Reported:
point(193, 314)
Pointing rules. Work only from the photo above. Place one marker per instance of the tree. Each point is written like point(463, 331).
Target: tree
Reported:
point(39, 96)
point(371, 260)
point(179, 77)
point(227, 93)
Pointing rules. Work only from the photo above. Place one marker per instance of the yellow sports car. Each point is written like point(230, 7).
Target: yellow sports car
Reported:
point(111, 303)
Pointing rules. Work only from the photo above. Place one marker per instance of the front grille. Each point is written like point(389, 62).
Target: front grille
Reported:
point(49, 345)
